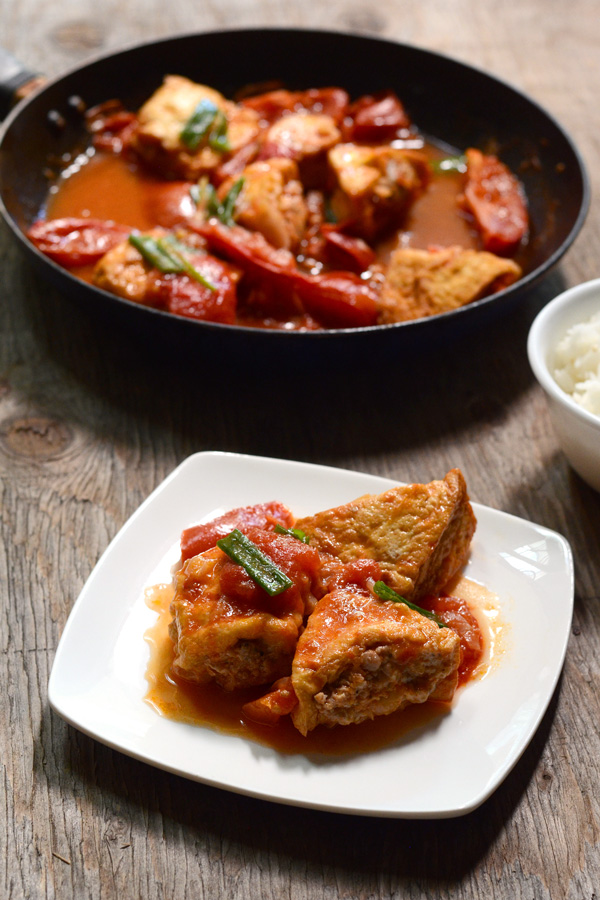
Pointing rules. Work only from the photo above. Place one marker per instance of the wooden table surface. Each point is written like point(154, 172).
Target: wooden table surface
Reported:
point(90, 424)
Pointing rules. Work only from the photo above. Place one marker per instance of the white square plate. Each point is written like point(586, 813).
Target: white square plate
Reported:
point(97, 682)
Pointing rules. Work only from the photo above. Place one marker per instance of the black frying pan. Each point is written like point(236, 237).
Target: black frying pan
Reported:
point(447, 100)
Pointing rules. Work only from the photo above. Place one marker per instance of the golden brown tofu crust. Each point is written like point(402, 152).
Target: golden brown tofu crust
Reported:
point(421, 283)
point(374, 186)
point(419, 533)
point(272, 202)
point(124, 272)
point(360, 657)
point(215, 641)
point(157, 139)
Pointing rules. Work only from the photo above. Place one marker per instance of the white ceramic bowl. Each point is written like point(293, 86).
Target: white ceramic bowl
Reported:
point(578, 430)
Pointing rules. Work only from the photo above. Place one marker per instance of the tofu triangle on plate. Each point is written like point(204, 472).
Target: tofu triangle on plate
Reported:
point(341, 652)
point(419, 533)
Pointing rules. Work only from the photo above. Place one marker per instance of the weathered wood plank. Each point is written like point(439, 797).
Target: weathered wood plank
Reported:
point(89, 425)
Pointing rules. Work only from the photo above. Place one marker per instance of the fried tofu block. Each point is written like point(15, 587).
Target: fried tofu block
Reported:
point(305, 138)
point(124, 271)
point(272, 202)
point(375, 185)
point(419, 533)
point(361, 657)
point(227, 629)
point(157, 138)
point(422, 283)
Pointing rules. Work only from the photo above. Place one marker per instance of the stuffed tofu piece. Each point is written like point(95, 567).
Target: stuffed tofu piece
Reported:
point(271, 201)
point(306, 138)
point(374, 186)
point(226, 628)
point(361, 657)
point(420, 534)
point(185, 129)
point(206, 289)
point(422, 283)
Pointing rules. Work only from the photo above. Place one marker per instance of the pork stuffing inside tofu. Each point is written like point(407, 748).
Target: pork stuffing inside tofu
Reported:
point(226, 628)
point(360, 657)
point(162, 119)
point(374, 186)
point(420, 283)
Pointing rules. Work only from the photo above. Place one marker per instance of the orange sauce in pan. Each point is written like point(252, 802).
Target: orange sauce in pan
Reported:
point(110, 187)
point(210, 706)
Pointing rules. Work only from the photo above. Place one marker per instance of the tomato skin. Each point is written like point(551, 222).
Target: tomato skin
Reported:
point(184, 296)
point(456, 614)
point(280, 701)
point(76, 242)
point(300, 562)
point(116, 132)
point(335, 299)
point(374, 118)
point(273, 105)
point(249, 249)
point(347, 252)
point(169, 203)
point(338, 299)
point(199, 538)
point(494, 197)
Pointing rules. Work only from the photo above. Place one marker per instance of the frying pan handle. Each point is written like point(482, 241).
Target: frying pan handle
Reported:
point(14, 79)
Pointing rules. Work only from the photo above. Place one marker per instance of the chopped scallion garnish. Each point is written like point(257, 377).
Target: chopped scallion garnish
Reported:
point(198, 124)
point(259, 567)
point(293, 532)
point(166, 256)
point(154, 254)
point(385, 592)
point(217, 138)
point(225, 212)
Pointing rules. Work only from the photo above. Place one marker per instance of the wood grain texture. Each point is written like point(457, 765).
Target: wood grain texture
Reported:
point(90, 424)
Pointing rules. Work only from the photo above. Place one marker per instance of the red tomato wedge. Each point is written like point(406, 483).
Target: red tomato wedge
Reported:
point(338, 299)
point(375, 118)
point(76, 242)
point(199, 538)
point(345, 251)
point(335, 299)
point(321, 101)
point(494, 196)
point(280, 701)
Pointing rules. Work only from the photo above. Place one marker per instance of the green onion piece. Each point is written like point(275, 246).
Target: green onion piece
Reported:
point(153, 253)
point(184, 265)
point(385, 592)
point(198, 124)
point(204, 194)
point(196, 193)
point(449, 164)
point(225, 212)
point(293, 532)
point(259, 567)
point(217, 138)
point(330, 216)
point(164, 254)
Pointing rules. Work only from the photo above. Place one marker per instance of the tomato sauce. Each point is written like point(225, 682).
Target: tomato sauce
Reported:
point(210, 706)
point(111, 187)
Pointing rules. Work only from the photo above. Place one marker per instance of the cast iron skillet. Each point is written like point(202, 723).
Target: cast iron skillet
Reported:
point(447, 100)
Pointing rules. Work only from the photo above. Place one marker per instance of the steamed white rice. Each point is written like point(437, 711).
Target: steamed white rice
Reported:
point(577, 364)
